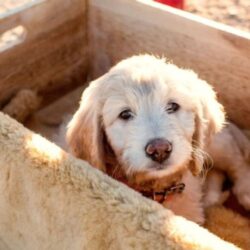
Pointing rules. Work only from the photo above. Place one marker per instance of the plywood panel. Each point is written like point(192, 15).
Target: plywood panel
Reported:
point(54, 51)
point(220, 54)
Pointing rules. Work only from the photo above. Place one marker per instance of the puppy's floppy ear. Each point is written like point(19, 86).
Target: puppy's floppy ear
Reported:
point(210, 118)
point(85, 132)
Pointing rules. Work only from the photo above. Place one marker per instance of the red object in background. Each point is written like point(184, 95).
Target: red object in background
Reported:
point(174, 3)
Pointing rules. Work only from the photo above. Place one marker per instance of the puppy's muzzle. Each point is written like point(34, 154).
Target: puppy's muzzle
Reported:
point(158, 149)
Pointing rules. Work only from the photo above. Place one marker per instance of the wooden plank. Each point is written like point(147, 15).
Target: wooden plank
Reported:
point(54, 52)
point(50, 123)
point(68, 104)
point(10, 16)
point(218, 53)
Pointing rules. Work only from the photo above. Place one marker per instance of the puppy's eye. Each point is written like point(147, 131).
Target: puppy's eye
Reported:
point(172, 107)
point(126, 114)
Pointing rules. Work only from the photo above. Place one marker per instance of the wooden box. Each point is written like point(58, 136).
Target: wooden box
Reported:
point(54, 46)
point(66, 42)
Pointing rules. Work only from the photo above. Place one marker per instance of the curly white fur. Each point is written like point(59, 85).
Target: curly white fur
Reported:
point(146, 85)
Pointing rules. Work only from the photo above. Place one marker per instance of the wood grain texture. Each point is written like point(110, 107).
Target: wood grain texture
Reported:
point(51, 121)
point(54, 52)
point(218, 53)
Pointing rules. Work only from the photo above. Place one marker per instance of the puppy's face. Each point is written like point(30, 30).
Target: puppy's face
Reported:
point(154, 116)
point(150, 124)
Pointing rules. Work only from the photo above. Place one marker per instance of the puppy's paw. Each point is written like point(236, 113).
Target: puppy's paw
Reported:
point(242, 191)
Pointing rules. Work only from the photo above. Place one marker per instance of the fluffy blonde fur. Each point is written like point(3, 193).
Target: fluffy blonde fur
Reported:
point(50, 200)
point(146, 85)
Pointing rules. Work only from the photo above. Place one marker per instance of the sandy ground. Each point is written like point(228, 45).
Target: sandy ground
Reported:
point(232, 12)
point(6, 5)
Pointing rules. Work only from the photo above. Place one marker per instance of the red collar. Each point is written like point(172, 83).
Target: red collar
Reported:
point(161, 195)
point(166, 194)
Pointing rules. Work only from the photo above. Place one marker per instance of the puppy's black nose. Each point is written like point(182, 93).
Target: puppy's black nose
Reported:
point(158, 149)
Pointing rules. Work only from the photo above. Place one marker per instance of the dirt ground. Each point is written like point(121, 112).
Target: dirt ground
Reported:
point(232, 12)
point(6, 5)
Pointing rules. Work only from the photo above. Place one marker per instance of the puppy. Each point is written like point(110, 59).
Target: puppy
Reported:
point(146, 123)
point(230, 152)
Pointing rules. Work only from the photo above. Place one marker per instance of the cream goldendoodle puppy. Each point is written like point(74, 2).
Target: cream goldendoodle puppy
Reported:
point(146, 123)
